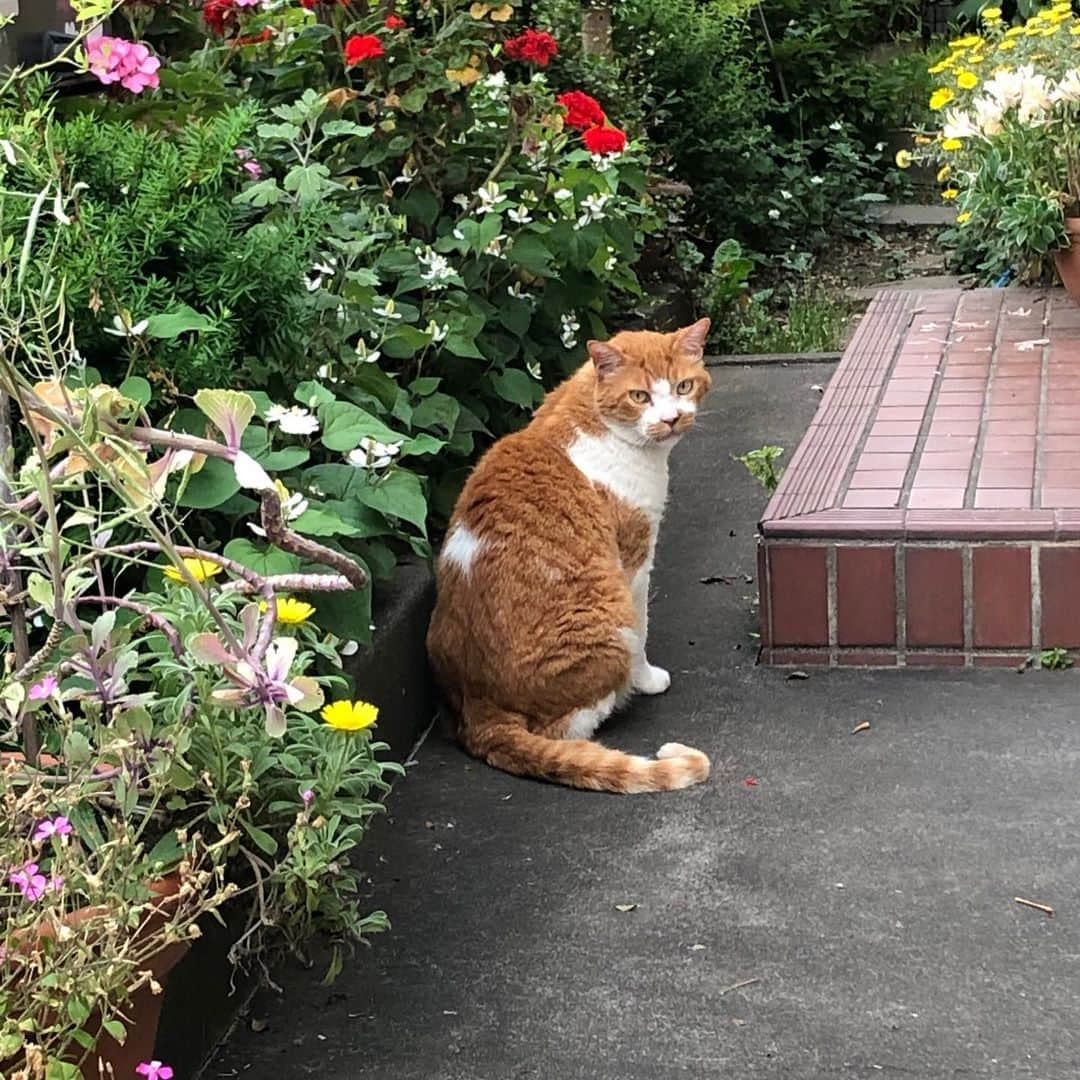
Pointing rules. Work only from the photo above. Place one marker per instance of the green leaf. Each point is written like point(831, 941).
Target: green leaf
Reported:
point(345, 424)
point(138, 389)
point(116, 1029)
point(263, 560)
point(516, 386)
point(167, 852)
point(347, 127)
point(528, 251)
point(414, 100)
point(61, 1070)
point(211, 486)
point(516, 316)
point(290, 457)
point(436, 411)
point(308, 182)
point(230, 411)
point(262, 839)
point(317, 521)
point(77, 748)
point(398, 495)
point(421, 205)
point(78, 1010)
point(312, 394)
point(182, 321)
point(346, 614)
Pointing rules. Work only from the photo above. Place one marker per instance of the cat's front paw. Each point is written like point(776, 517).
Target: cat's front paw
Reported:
point(649, 679)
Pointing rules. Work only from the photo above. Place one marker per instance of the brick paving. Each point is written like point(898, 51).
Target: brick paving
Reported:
point(931, 514)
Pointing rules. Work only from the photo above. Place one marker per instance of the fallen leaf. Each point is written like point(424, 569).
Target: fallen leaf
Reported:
point(818, 388)
point(258, 1025)
point(864, 726)
point(626, 907)
point(797, 676)
point(696, 948)
point(717, 579)
point(1027, 346)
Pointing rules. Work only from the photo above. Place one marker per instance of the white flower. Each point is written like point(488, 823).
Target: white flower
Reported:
point(836, 126)
point(495, 81)
point(774, 213)
point(123, 327)
point(959, 125)
point(987, 114)
point(612, 260)
point(350, 647)
point(879, 147)
point(516, 289)
point(438, 333)
point(1008, 86)
point(569, 330)
point(368, 357)
point(407, 176)
point(494, 247)
point(784, 194)
point(372, 454)
point(458, 234)
point(563, 193)
point(489, 198)
point(520, 214)
point(461, 200)
point(437, 269)
point(1068, 89)
point(1036, 102)
point(817, 179)
point(293, 421)
point(592, 209)
point(387, 310)
point(314, 278)
point(323, 372)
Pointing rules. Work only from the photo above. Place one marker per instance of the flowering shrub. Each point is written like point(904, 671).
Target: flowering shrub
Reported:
point(1009, 102)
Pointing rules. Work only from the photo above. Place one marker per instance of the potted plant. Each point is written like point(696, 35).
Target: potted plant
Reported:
point(1007, 147)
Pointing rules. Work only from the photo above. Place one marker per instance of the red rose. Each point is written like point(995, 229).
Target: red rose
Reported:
point(533, 46)
point(219, 15)
point(309, 4)
point(394, 22)
point(362, 47)
point(605, 140)
point(582, 111)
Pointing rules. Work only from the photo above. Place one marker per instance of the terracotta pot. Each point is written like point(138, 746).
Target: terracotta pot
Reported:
point(143, 1009)
point(1068, 259)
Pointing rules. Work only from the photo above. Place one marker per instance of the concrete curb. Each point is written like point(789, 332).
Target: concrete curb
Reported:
point(765, 359)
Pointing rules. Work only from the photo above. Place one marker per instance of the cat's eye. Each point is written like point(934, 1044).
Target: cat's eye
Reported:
point(685, 386)
point(640, 396)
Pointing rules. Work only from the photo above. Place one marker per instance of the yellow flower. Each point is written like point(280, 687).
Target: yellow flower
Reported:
point(1006, 44)
point(290, 611)
point(923, 140)
point(940, 66)
point(350, 715)
point(967, 80)
point(991, 15)
point(467, 75)
point(478, 11)
point(964, 215)
point(966, 42)
point(941, 97)
point(199, 569)
point(975, 59)
point(502, 13)
point(1014, 31)
point(903, 159)
point(1050, 31)
point(951, 144)
point(942, 173)
point(1074, 29)
point(950, 193)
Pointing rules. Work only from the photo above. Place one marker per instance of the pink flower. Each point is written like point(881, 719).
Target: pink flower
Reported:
point(34, 885)
point(129, 63)
point(253, 168)
point(57, 826)
point(154, 1070)
point(44, 688)
point(247, 3)
point(307, 796)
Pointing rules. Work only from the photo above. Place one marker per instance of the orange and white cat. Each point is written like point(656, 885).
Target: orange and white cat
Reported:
point(543, 582)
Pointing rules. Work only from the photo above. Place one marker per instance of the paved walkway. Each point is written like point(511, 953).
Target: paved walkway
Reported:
point(851, 915)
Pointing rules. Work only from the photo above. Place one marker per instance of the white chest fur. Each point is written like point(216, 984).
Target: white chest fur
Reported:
point(636, 474)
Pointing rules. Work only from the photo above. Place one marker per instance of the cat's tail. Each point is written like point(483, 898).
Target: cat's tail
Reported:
point(502, 739)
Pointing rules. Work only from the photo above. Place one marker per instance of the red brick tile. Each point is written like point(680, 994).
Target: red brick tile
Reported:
point(1009, 427)
point(763, 593)
point(1002, 596)
point(905, 397)
point(947, 398)
point(865, 658)
point(880, 499)
point(1013, 412)
point(953, 427)
point(949, 443)
point(798, 590)
point(1009, 459)
point(1063, 444)
point(879, 478)
point(1010, 660)
point(941, 478)
point(934, 596)
point(1060, 498)
point(957, 412)
point(1059, 584)
point(874, 462)
point(799, 657)
point(900, 412)
point(893, 444)
point(935, 659)
point(991, 498)
point(1053, 477)
point(865, 596)
point(936, 499)
point(1005, 478)
point(947, 459)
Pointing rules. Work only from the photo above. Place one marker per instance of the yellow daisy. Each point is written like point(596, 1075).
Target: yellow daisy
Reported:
point(951, 144)
point(1006, 44)
point(991, 15)
point(350, 715)
point(903, 159)
point(942, 173)
point(966, 42)
point(967, 80)
point(940, 66)
point(950, 193)
point(199, 569)
point(941, 97)
point(290, 611)
point(964, 215)
point(1014, 32)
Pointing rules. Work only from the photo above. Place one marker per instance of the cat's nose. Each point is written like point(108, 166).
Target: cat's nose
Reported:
point(671, 421)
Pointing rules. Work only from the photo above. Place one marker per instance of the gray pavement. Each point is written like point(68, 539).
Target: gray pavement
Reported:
point(850, 915)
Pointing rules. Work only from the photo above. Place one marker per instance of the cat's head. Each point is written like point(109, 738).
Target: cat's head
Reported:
point(649, 385)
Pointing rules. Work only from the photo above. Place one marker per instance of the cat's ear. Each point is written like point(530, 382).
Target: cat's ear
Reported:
point(692, 339)
point(604, 356)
